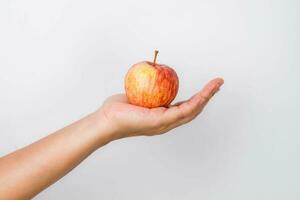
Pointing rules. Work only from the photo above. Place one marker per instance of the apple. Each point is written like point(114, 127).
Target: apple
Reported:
point(149, 84)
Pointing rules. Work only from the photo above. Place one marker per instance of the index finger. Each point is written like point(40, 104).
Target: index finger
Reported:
point(189, 109)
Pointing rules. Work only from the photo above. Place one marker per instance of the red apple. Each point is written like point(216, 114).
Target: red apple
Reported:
point(150, 84)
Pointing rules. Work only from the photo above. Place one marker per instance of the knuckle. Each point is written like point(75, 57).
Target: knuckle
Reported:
point(162, 125)
point(204, 98)
point(181, 116)
point(158, 123)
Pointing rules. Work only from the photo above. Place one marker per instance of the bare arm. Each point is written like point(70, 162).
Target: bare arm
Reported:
point(29, 170)
point(26, 172)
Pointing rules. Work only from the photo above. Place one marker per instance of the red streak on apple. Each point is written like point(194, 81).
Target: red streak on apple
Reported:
point(151, 85)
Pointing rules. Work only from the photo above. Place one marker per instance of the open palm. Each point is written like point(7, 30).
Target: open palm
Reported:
point(130, 120)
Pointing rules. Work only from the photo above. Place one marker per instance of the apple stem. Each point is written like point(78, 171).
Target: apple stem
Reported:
point(155, 56)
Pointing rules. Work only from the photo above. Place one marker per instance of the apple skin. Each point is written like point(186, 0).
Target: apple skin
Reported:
point(151, 85)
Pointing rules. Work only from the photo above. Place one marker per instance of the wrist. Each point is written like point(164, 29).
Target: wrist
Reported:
point(105, 126)
point(102, 131)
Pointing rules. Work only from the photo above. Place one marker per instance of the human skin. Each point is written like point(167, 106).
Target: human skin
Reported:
point(27, 171)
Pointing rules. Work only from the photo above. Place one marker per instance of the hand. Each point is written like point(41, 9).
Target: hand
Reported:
point(129, 120)
point(115, 119)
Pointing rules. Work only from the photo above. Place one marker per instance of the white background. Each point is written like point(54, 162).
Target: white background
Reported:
point(60, 59)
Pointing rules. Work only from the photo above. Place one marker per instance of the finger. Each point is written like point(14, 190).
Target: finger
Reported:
point(188, 110)
point(178, 103)
point(196, 104)
point(208, 91)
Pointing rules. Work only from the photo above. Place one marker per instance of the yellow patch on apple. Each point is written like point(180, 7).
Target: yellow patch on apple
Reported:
point(151, 85)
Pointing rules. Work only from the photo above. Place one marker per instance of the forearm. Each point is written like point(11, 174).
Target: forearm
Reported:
point(29, 170)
